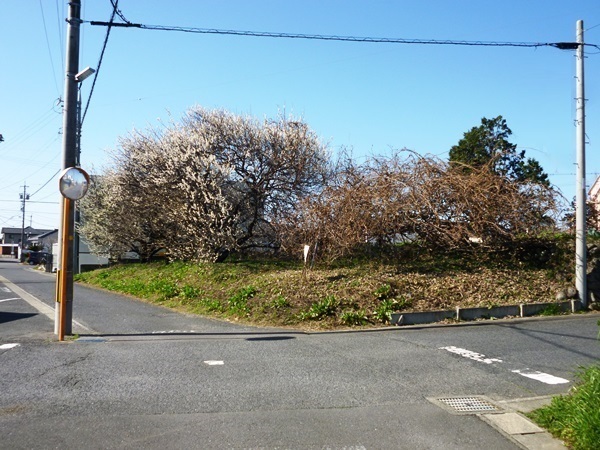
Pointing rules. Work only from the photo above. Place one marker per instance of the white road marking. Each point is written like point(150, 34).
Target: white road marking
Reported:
point(174, 332)
point(4, 289)
point(533, 374)
point(37, 303)
point(8, 346)
point(9, 299)
point(471, 355)
point(214, 363)
point(541, 376)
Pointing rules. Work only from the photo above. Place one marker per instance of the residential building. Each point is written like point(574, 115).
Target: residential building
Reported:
point(13, 235)
point(45, 240)
point(594, 199)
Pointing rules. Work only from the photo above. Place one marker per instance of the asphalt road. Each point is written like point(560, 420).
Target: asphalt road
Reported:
point(143, 376)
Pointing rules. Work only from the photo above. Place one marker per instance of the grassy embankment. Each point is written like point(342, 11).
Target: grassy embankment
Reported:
point(345, 293)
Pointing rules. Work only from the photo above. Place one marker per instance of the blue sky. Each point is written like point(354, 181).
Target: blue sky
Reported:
point(365, 96)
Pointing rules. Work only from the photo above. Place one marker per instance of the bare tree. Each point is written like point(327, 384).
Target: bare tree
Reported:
point(405, 196)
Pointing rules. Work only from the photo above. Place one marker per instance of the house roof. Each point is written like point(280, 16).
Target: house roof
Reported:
point(43, 235)
point(595, 190)
point(28, 230)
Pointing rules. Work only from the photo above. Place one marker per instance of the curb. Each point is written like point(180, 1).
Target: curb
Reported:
point(519, 428)
point(495, 312)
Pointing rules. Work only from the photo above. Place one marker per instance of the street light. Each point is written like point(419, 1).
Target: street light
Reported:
point(80, 77)
point(84, 74)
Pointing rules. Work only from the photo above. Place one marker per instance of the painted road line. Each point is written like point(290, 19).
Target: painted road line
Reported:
point(214, 363)
point(541, 376)
point(4, 289)
point(36, 303)
point(470, 354)
point(175, 332)
point(9, 299)
point(479, 357)
point(8, 346)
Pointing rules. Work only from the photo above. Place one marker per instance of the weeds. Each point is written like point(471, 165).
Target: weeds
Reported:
point(353, 318)
point(211, 305)
point(271, 293)
point(383, 311)
point(238, 303)
point(575, 418)
point(383, 292)
point(551, 310)
point(165, 289)
point(280, 302)
point(190, 292)
point(321, 309)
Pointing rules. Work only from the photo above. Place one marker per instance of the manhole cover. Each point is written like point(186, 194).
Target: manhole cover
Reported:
point(466, 405)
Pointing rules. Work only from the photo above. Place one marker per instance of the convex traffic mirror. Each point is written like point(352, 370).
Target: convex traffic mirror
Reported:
point(74, 183)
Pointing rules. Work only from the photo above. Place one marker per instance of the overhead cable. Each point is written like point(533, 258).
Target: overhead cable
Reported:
point(48, 45)
point(118, 11)
point(321, 37)
point(109, 24)
point(44, 185)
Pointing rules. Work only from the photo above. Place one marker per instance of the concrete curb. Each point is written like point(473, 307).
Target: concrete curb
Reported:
point(519, 428)
point(39, 305)
point(495, 312)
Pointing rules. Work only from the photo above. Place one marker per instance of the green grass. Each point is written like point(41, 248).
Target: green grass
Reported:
point(575, 418)
point(346, 292)
point(354, 318)
point(321, 309)
point(551, 310)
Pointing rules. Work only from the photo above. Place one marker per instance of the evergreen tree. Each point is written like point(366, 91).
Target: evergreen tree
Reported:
point(489, 144)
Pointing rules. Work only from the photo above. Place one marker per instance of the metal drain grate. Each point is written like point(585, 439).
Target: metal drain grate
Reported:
point(467, 405)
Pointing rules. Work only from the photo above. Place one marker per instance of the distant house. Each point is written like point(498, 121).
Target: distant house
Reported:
point(45, 240)
point(13, 235)
point(594, 197)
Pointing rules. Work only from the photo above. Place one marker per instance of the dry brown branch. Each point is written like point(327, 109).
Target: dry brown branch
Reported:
point(409, 197)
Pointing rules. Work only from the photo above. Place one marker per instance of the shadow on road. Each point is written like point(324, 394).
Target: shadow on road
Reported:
point(11, 317)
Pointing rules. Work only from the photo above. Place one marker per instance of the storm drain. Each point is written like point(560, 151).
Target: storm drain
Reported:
point(466, 405)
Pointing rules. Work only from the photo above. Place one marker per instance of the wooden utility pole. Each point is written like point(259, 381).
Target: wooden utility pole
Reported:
point(69, 156)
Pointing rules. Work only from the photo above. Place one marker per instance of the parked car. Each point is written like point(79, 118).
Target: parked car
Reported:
point(36, 258)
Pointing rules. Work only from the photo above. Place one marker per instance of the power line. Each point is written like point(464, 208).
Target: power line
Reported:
point(28, 201)
point(34, 127)
point(118, 11)
point(321, 37)
point(592, 27)
point(112, 17)
point(59, 28)
point(573, 174)
point(49, 50)
point(44, 185)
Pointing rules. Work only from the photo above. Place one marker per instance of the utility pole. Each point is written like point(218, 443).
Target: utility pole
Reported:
point(24, 197)
point(69, 155)
point(581, 192)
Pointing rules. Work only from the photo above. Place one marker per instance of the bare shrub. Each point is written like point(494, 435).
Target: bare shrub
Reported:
point(388, 200)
